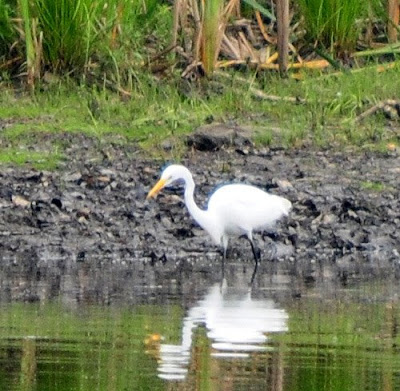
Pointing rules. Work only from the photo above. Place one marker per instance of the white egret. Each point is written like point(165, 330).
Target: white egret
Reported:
point(233, 210)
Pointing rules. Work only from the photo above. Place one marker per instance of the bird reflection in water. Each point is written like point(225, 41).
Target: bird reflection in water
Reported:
point(236, 325)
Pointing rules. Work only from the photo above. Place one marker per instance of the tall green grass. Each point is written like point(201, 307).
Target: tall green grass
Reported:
point(124, 19)
point(7, 32)
point(73, 36)
point(127, 33)
point(67, 33)
point(74, 31)
point(335, 24)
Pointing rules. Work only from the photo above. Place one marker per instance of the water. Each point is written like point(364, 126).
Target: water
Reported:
point(111, 330)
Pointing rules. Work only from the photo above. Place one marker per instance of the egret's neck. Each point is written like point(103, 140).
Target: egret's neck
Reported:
point(202, 217)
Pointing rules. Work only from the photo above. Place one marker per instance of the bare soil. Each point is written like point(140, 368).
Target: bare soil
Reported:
point(88, 226)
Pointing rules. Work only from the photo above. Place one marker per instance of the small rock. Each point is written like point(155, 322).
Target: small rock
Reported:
point(242, 151)
point(213, 136)
point(20, 201)
point(171, 199)
point(328, 219)
point(84, 212)
point(106, 172)
point(104, 179)
point(352, 214)
point(57, 202)
point(72, 177)
point(283, 184)
point(82, 220)
point(78, 195)
point(150, 171)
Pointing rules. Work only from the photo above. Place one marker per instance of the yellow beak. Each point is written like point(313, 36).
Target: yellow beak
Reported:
point(156, 189)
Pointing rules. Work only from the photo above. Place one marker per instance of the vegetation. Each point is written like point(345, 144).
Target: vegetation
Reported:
point(211, 35)
point(99, 67)
point(161, 112)
point(116, 39)
point(81, 38)
point(7, 32)
point(336, 25)
point(374, 186)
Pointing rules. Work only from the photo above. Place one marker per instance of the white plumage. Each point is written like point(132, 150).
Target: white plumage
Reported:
point(233, 210)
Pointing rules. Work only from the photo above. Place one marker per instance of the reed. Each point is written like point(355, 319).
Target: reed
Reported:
point(31, 60)
point(211, 33)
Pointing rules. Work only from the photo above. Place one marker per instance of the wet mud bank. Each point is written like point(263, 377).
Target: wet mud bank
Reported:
point(88, 227)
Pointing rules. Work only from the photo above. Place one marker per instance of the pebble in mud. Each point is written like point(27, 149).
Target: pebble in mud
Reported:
point(99, 209)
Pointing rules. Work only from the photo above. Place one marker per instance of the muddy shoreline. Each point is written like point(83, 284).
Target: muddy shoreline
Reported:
point(88, 228)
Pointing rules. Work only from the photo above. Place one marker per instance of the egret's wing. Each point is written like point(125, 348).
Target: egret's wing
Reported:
point(247, 208)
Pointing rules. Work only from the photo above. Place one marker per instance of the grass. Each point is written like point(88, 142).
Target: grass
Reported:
point(335, 24)
point(74, 31)
point(67, 35)
point(111, 41)
point(38, 160)
point(7, 34)
point(96, 40)
point(374, 186)
point(158, 112)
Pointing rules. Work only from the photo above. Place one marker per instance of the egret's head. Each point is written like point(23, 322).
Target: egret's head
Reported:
point(172, 173)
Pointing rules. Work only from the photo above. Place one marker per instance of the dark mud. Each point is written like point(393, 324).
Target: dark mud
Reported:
point(87, 230)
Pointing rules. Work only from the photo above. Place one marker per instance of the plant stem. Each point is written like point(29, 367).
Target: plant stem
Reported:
point(29, 46)
point(282, 11)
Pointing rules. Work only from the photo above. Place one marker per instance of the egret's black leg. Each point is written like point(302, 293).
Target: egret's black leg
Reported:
point(257, 258)
point(256, 251)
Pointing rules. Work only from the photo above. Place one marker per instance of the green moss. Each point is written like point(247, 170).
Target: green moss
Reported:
point(374, 186)
point(38, 160)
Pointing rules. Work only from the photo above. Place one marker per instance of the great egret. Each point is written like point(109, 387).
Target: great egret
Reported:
point(233, 210)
